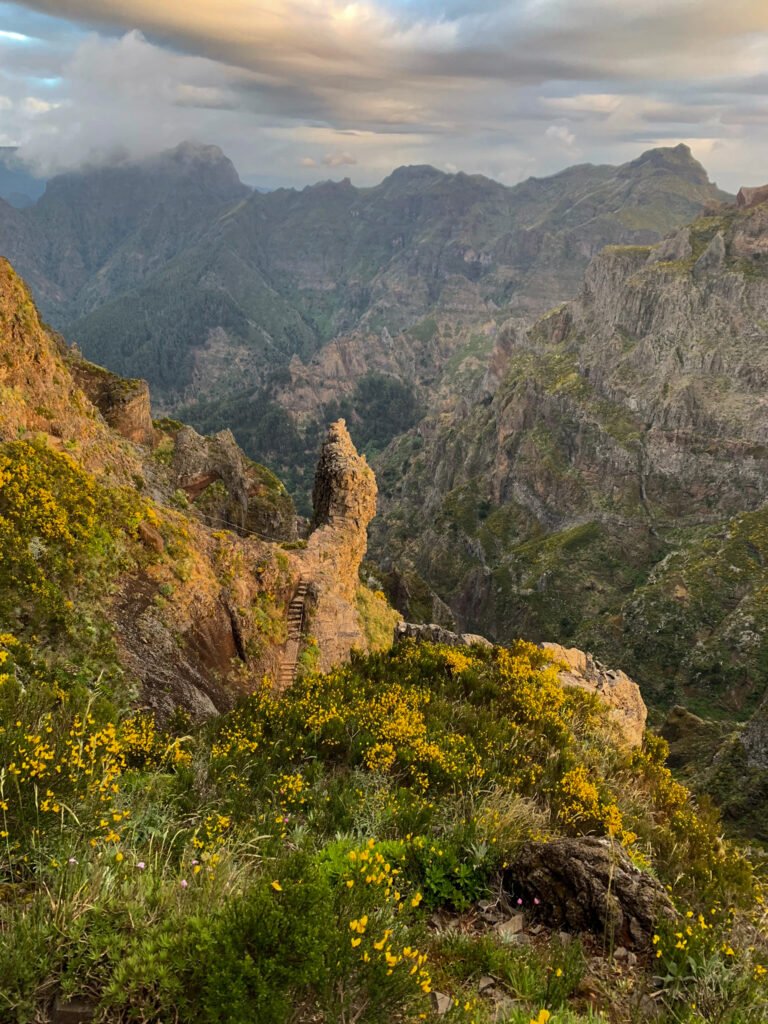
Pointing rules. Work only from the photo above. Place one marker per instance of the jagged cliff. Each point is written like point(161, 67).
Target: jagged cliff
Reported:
point(608, 484)
point(198, 606)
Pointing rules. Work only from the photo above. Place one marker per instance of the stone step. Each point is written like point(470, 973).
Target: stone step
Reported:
point(286, 673)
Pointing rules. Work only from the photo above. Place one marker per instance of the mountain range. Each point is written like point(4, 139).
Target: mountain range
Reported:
point(559, 383)
point(268, 310)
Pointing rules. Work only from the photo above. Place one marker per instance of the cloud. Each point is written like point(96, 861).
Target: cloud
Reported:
point(339, 160)
point(584, 104)
point(561, 134)
point(503, 87)
point(34, 106)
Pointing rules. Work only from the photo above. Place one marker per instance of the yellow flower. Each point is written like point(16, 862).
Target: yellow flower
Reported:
point(276, 886)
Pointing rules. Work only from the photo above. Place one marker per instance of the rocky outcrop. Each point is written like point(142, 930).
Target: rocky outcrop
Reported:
point(612, 686)
point(344, 500)
point(39, 396)
point(754, 739)
point(752, 196)
point(590, 885)
point(124, 404)
point(435, 634)
point(227, 489)
point(197, 614)
point(197, 640)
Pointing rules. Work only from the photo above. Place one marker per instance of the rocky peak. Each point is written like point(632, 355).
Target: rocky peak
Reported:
point(411, 173)
point(211, 168)
point(678, 160)
point(344, 499)
point(345, 487)
point(205, 167)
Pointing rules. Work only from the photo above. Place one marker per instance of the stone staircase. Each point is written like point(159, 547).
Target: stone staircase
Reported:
point(286, 675)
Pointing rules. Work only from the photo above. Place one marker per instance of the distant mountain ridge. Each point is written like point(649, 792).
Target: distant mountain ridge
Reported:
point(231, 301)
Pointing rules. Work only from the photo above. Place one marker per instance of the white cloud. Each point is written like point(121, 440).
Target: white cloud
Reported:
point(34, 106)
point(559, 133)
point(339, 160)
point(584, 103)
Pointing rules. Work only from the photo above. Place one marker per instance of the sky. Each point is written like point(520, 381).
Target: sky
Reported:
point(295, 91)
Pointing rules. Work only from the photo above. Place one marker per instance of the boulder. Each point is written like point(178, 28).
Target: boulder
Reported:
point(589, 884)
point(612, 686)
point(747, 197)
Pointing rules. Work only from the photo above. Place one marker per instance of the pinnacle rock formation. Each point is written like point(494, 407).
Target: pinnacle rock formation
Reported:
point(344, 499)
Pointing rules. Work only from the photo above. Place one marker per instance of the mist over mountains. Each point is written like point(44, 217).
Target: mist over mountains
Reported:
point(17, 186)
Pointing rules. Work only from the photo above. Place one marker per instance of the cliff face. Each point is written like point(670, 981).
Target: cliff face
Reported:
point(196, 595)
point(597, 489)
